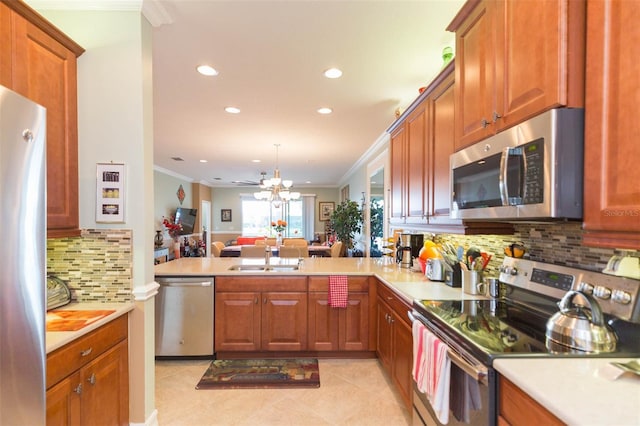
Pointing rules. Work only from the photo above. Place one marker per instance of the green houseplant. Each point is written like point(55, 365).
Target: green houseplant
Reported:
point(346, 220)
point(377, 227)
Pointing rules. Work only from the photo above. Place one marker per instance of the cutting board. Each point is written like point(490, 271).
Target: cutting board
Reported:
point(66, 320)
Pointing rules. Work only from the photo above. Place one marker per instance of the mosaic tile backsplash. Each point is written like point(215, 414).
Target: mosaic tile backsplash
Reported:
point(97, 265)
point(558, 243)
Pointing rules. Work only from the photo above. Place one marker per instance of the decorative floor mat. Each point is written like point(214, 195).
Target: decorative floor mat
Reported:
point(261, 374)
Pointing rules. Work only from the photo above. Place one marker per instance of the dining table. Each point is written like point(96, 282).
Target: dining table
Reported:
point(314, 251)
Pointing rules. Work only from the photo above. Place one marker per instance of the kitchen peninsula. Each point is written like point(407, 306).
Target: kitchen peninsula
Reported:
point(403, 286)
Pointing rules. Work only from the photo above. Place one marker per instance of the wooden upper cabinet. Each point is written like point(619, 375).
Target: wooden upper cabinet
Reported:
point(612, 175)
point(417, 155)
point(44, 69)
point(443, 134)
point(475, 75)
point(398, 168)
point(514, 60)
point(5, 44)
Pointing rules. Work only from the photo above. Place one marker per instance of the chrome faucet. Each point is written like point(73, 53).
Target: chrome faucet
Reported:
point(267, 255)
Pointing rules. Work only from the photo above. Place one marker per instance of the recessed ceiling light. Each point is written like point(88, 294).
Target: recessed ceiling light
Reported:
point(325, 110)
point(203, 161)
point(333, 73)
point(207, 70)
point(232, 110)
point(256, 161)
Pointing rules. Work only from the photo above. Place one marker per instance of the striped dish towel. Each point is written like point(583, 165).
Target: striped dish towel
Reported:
point(338, 291)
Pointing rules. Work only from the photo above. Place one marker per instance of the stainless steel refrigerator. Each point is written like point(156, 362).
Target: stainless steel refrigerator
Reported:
point(22, 260)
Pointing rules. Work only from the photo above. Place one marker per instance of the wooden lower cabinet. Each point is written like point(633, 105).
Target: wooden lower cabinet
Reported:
point(515, 407)
point(339, 329)
point(394, 342)
point(261, 314)
point(88, 379)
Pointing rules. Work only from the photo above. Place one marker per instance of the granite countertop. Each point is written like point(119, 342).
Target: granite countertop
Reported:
point(577, 390)
point(57, 339)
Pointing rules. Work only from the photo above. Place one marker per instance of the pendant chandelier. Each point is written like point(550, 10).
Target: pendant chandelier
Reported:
point(276, 190)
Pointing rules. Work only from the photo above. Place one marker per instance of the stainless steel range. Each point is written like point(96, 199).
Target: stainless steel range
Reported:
point(522, 322)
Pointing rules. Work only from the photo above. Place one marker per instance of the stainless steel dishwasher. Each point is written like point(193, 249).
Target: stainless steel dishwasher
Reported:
point(184, 317)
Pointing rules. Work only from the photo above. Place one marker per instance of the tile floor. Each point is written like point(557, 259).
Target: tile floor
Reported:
point(352, 392)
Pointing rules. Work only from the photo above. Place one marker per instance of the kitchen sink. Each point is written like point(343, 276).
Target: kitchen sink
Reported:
point(269, 268)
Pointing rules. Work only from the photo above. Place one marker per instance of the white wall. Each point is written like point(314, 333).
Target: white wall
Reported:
point(115, 123)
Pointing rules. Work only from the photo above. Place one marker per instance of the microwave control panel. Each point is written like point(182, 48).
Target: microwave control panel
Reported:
point(533, 153)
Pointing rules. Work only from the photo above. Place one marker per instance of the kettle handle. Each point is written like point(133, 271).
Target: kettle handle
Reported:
point(597, 318)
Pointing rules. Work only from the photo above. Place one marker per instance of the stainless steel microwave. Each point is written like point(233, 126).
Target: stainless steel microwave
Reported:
point(531, 171)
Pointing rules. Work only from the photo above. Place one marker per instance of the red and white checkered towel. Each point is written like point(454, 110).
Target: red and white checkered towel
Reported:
point(338, 291)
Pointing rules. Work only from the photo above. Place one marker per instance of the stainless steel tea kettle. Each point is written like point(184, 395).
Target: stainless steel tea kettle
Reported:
point(578, 328)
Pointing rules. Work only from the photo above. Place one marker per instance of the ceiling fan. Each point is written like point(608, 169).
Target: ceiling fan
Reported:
point(251, 182)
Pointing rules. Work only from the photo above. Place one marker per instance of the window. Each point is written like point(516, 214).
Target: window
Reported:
point(257, 216)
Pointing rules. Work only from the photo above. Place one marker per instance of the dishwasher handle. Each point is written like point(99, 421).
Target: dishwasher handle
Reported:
point(185, 283)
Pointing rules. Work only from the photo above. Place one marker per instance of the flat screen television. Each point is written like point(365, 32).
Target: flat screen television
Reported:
point(187, 217)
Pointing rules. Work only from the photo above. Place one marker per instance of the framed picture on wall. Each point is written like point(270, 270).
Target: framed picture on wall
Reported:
point(225, 215)
point(110, 193)
point(326, 209)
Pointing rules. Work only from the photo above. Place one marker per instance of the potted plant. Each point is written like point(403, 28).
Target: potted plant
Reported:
point(346, 220)
point(377, 227)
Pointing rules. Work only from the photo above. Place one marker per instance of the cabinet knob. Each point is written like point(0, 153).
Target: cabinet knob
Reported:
point(264, 301)
point(496, 116)
point(484, 123)
point(92, 379)
point(78, 389)
point(255, 301)
point(86, 352)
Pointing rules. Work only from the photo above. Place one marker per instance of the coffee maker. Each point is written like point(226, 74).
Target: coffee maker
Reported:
point(408, 248)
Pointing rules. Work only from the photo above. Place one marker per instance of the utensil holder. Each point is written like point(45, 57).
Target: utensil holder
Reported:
point(453, 276)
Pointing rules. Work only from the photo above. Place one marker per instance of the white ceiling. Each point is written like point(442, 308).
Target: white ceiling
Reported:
point(271, 55)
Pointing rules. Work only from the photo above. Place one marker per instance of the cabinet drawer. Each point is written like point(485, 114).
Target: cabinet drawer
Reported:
point(356, 284)
point(78, 353)
point(394, 301)
point(261, 283)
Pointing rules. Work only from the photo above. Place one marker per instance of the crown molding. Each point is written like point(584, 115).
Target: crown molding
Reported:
point(155, 12)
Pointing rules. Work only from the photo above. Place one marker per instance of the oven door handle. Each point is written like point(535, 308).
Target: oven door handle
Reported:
point(478, 372)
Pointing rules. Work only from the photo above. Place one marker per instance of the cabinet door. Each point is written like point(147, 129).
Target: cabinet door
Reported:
point(402, 357)
point(543, 66)
point(284, 321)
point(443, 133)
point(5, 46)
point(611, 190)
point(517, 408)
point(397, 175)
point(385, 335)
point(45, 72)
point(354, 323)
point(417, 158)
point(105, 396)
point(475, 78)
point(323, 323)
point(63, 401)
point(237, 324)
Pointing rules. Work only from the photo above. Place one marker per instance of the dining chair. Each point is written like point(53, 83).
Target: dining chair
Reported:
point(252, 251)
point(295, 242)
point(336, 248)
point(216, 248)
point(293, 251)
